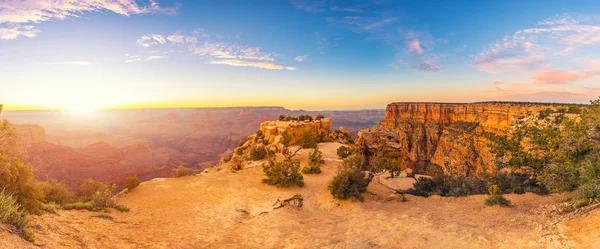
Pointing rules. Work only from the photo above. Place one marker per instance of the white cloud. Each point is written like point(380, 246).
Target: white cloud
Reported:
point(225, 53)
point(497, 82)
point(30, 12)
point(71, 63)
point(301, 58)
point(530, 48)
point(257, 64)
point(14, 32)
point(136, 58)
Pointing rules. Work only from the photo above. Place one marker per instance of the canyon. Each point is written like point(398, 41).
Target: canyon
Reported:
point(110, 145)
point(449, 137)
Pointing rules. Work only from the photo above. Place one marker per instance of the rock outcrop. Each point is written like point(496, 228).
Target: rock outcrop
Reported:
point(446, 137)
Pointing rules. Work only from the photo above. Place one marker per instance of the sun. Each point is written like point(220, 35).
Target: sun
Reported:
point(80, 109)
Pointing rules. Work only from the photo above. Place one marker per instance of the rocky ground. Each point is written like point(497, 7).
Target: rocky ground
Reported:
point(222, 209)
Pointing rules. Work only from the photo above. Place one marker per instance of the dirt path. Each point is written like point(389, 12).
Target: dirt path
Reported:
point(221, 209)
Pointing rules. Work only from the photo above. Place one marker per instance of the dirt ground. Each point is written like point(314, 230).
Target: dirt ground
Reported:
point(222, 209)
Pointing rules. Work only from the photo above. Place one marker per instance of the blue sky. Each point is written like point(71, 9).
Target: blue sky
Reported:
point(82, 55)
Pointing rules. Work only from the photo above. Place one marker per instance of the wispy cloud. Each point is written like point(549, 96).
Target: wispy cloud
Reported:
point(428, 67)
point(301, 58)
point(558, 76)
point(215, 52)
point(257, 64)
point(530, 48)
point(311, 6)
point(497, 82)
point(136, 58)
point(414, 46)
point(14, 31)
point(18, 17)
point(71, 63)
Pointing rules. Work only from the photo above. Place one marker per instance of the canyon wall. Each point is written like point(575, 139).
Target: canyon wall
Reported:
point(447, 137)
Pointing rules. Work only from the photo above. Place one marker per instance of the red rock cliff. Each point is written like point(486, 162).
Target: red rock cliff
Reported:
point(450, 137)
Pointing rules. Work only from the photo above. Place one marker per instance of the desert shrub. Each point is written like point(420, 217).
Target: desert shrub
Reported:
point(424, 186)
point(50, 207)
point(392, 166)
point(496, 197)
point(281, 117)
point(257, 153)
point(132, 182)
point(545, 113)
point(315, 157)
point(288, 118)
point(55, 192)
point(344, 151)
point(350, 180)
point(98, 192)
point(182, 171)
point(308, 140)
point(319, 117)
point(574, 110)
point(581, 203)
point(283, 174)
point(121, 208)
point(90, 206)
point(493, 200)
point(494, 190)
point(17, 178)
point(239, 151)
point(13, 214)
point(236, 163)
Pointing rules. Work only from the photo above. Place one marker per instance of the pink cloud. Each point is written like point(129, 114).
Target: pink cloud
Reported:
point(415, 47)
point(497, 82)
point(558, 76)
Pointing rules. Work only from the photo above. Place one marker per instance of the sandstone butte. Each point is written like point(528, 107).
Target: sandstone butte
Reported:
point(451, 137)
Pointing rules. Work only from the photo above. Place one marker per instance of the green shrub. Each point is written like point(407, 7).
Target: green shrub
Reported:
point(12, 214)
point(55, 192)
point(132, 182)
point(350, 180)
point(545, 113)
point(281, 117)
point(308, 140)
point(319, 117)
point(239, 151)
point(497, 200)
point(122, 208)
point(90, 206)
point(392, 166)
point(50, 207)
point(17, 178)
point(581, 203)
point(182, 171)
point(311, 169)
point(343, 152)
point(315, 158)
point(494, 190)
point(283, 174)
point(100, 193)
point(257, 153)
point(574, 110)
point(424, 186)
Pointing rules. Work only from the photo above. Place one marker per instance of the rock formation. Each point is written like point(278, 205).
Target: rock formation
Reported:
point(446, 136)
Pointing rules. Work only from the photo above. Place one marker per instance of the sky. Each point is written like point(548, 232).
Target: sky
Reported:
point(81, 55)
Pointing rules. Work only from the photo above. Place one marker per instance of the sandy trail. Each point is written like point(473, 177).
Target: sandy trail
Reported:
point(221, 209)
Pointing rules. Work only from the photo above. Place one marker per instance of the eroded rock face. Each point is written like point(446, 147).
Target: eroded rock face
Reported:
point(446, 137)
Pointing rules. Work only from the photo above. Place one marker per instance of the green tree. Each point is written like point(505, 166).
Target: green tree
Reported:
point(283, 174)
point(350, 180)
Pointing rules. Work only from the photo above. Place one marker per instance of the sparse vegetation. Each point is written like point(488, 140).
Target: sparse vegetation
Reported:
point(392, 166)
point(496, 197)
point(90, 206)
point(56, 192)
point(257, 152)
point(131, 183)
point(103, 216)
point(236, 163)
point(100, 193)
point(315, 158)
point(121, 208)
point(11, 213)
point(350, 180)
point(296, 200)
point(308, 140)
point(344, 151)
point(283, 174)
point(182, 171)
